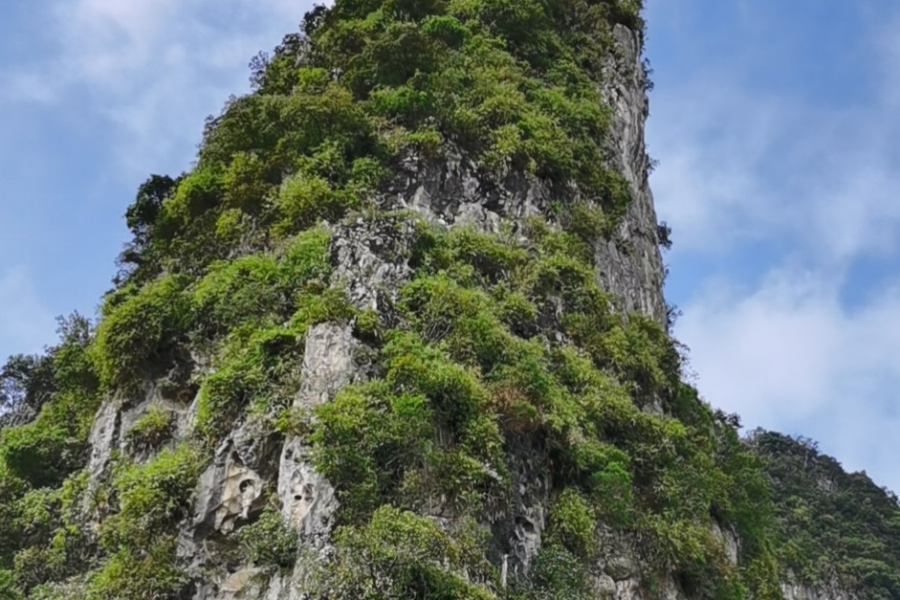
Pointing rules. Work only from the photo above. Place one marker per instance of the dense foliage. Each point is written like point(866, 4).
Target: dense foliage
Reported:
point(833, 527)
point(496, 344)
point(469, 373)
point(513, 84)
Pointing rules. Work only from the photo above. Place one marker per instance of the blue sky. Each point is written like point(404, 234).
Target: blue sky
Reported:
point(774, 124)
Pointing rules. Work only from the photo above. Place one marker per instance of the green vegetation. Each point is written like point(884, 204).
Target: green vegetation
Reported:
point(63, 389)
point(152, 573)
point(833, 526)
point(460, 386)
point(310, 145)
point(139, 327)
point(152, 497)
point(152, 429)
point(269, 542)
point(399, 554)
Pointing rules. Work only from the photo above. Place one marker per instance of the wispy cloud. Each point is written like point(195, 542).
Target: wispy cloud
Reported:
point(151, 69)
point(816, 181)
point(738, 165)
point(789, 355)
point(744, 162)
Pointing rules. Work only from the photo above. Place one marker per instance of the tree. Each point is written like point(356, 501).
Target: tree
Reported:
point(25, 380)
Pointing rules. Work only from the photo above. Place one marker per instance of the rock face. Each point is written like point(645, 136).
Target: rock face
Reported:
point(632, 265)
point(830, 591)
point(307, 498)
point(371, 264)
point(370, 259)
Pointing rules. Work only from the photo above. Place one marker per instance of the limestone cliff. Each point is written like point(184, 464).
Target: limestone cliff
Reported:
point(449, 190)
point(400, 334)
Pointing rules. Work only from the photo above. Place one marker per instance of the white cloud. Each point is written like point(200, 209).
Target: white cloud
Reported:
point(789, 356)
point(25, 325)
point(738, 166)
point(151, 70)
point(743, 162)
point(743, 166)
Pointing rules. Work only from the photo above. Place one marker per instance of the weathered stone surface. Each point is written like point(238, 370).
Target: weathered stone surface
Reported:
point(605, 587)
point(371, 260)
point(828, 590)
point(102, 440)
point(451, 190)
point(730, 542)
point(129, 414)
point(630, 264)
point(239, 582)
point(522, 528)
point(328, 363)
point(792, 592)
point(307, 498)
point(230, 490)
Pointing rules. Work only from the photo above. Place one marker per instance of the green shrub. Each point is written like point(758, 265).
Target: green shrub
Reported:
point(9, 588)
point(368, 325)
point(195, 194)
point(239, 291)
point(40, 455)
point(37, 514)
point(558, 575)
point(401, 555)
point(246, 183)
point(138, 574)
point(307, 257)
point(572, 522)
point(152, 497)
point(154, 428)
point(51, 540)
point(367, 439)
point(43, 452)
point(256, 368)
point(330, 305)
point(269, 542)
point(140, 330)
point(304, 201)
point(261, 287)
point(224, 395)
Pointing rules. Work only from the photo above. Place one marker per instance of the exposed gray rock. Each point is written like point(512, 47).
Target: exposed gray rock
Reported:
point(371, 260)
point(307, 498)
point(828, 590)
point(630, 264)
point(228, 492)
point(730, 542)
point(328, 363)
point(452, 190)
point(241, 584)
point(129, 415)
point(617, 557)
point(523, 527)
point(605, 587)
point(102, 440)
